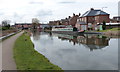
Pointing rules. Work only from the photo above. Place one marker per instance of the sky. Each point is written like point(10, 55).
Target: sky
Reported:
point(22, 11)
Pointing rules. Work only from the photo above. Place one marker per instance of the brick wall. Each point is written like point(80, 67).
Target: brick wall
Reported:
point(90, 19)
point(102, 18)
point(96, 19)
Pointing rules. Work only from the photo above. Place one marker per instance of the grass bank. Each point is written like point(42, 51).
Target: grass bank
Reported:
point(113, 29)
point(114, 32)
point(27, 58)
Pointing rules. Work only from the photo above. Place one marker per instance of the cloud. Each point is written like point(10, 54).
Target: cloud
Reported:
point(46, 10)
point(44, 13)
point(119, 8)
point(1, 13)
point(32, 2)
point(67, 2)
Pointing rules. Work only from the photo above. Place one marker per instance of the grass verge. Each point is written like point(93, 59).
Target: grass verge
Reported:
point(113, 29)
point(27, 58)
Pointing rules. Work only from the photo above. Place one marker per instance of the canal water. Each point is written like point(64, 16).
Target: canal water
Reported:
point(83, 52)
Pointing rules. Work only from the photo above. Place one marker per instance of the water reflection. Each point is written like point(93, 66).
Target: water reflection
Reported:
point(72, 52)
point(89, 41)
point(35, 34)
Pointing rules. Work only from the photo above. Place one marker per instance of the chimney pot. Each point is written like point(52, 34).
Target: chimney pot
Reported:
point(92, 8)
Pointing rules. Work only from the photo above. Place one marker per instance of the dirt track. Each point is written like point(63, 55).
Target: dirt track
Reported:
point(8, 62)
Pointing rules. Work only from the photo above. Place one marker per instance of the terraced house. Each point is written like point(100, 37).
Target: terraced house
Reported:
point(91, 19)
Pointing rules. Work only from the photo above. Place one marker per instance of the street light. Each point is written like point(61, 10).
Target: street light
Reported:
point(103, 7)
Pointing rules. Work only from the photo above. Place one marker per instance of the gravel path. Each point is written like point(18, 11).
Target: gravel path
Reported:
point(8, 62)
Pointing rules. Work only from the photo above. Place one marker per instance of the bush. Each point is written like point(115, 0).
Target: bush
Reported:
point(104, 25)
point(4, 28)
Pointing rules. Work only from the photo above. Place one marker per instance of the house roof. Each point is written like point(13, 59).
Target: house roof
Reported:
point(94, 13)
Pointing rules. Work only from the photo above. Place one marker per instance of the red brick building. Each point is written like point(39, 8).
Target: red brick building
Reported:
point(73, 20)
point(94, 17)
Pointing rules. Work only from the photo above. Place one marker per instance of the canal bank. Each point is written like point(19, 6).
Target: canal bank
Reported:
point(114, 32)
point(74, 33)
point(27, 58)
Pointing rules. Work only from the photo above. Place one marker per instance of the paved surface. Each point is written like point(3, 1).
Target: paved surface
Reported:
point(0, 56)
point(6, 49)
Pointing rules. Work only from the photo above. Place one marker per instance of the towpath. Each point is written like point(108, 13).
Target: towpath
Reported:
point(6, 49)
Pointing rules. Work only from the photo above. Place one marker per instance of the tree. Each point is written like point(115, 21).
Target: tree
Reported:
point(6, 24)
point(104, 25)
point(35, 23)
point(35, 20)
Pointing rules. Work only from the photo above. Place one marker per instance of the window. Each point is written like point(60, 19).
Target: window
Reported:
point(95, 18)
point(89, 25)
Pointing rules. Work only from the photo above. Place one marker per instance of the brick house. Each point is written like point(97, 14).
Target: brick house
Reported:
point(81, 25)
point(93, 18)
point(73, 20)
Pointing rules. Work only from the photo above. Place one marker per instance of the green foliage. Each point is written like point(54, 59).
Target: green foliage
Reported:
point(113, 29)
point(75, 29)
point(27, 58)
point(6, 27)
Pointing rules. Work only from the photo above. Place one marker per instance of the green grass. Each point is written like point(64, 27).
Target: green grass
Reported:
point(27, 58)
point(113, 29)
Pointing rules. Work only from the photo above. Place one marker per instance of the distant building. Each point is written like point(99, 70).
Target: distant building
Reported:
point(44, 25)
point(64, 22)
point(71, 20)
point(54, 22)
point(23, 25)
point(115, 19)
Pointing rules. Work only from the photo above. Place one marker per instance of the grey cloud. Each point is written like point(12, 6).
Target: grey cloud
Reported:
point(16, 15)
point(67, 2)
point(119, 8)
point(2, 12)
point(32, 2)
point(44, 13)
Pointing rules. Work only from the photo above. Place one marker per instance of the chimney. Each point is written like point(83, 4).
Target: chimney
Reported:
point(73, 14)
point(69, 17)
point(92, 9)
point(79, 14)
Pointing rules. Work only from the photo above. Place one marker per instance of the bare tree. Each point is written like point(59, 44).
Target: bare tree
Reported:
point(6, 22)
point(35, 23)
point(35, 20)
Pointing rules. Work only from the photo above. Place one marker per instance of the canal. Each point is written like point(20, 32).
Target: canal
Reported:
point(83, 52)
